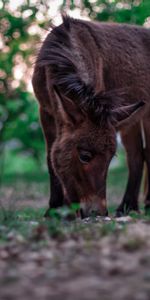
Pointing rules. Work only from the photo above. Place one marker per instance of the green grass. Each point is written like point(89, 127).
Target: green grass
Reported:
point(24, 222)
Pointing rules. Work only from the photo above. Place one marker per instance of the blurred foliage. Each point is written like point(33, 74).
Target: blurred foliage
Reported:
point(20, 36)
point(127, 11)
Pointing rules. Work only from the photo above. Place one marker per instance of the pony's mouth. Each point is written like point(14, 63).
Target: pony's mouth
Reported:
point(93, 206)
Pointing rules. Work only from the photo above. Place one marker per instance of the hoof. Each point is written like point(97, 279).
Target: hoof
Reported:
point(119, 214)
point(106, 213)
point(47, 213)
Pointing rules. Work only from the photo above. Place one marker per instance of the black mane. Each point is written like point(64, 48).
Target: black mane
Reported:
point(57, 54)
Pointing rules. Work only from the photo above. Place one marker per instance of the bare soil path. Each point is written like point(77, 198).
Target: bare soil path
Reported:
point(93, 260)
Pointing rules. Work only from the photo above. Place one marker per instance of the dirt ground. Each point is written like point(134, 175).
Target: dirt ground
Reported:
point(91, 260)
point(84, 265)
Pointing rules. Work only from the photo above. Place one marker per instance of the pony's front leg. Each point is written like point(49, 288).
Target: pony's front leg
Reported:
point(56, 192)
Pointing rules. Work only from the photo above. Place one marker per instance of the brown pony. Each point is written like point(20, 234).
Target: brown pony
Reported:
point(92, 79)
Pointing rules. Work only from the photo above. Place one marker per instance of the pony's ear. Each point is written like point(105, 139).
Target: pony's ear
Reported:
point(110, 106)
point(123, 114)
point(67, 111)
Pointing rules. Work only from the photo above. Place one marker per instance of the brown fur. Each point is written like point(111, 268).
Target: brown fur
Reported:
point(92, 79)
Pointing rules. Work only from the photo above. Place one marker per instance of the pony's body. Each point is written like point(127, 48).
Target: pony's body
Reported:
point(92, 79)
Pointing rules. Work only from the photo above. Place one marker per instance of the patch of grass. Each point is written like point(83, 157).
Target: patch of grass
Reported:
point(109, 228)
point(18, 220)
point(29, 222)
point(26, 177)
point(26, 214)
point(117, 177)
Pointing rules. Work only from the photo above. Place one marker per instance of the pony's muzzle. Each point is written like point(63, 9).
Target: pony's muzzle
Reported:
point(93, 206)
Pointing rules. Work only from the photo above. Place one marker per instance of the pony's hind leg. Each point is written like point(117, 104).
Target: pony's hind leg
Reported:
point(146, 128)
point(133, 144)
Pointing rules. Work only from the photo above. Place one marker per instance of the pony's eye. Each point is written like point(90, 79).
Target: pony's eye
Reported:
point(85, 156)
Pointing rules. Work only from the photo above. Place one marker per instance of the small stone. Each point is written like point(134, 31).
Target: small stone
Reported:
point(124, 219)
